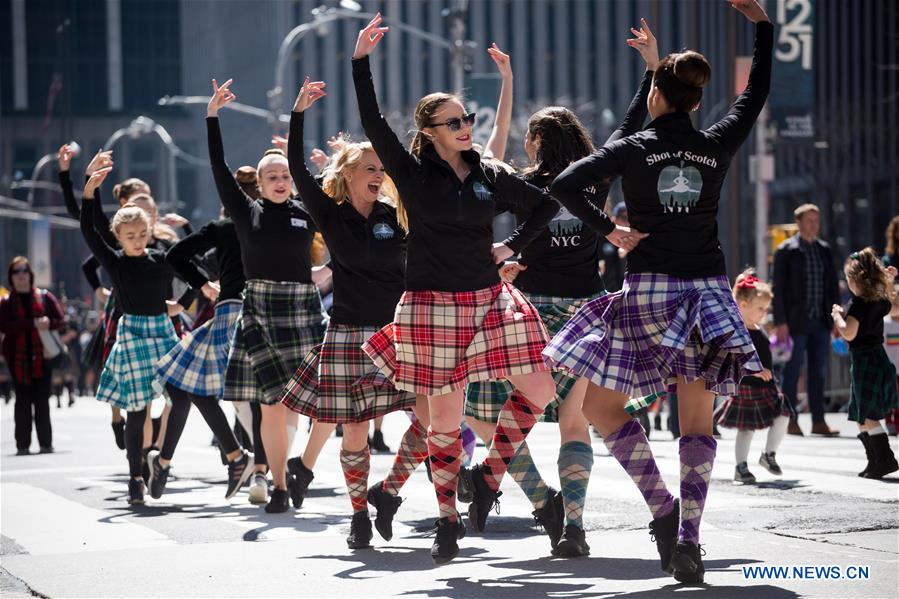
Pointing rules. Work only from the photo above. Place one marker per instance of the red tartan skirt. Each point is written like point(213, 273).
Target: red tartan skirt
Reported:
point(440, 341)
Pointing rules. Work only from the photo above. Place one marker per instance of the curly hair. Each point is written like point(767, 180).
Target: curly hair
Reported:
point(865, 270)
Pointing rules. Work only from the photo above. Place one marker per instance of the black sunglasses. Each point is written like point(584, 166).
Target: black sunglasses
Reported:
point(455, 124)
point(20, 270)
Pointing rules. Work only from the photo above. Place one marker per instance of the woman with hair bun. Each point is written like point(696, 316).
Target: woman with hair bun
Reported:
point(282, 317)
point(674, 322)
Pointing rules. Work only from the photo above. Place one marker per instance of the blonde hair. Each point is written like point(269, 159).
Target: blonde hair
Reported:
point(127, 214)
point(869, 275)
point(748, 287)
point(346, 160)
point(271, 156)
point(158, 230)
point(805, 209)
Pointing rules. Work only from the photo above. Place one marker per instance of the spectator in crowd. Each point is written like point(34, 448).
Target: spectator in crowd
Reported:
point(805, 287)
point(891, 255)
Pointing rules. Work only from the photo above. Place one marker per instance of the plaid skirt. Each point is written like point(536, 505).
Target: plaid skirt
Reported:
point(637, 341)
point(338, 383)
point(484, 400)
point(872, 384)
point(440, 341)
point(197, 364)
point(754, 407)
point(127, 380)
point(279, 324)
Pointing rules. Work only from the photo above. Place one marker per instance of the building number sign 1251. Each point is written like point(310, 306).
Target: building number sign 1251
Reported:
point(795, 39)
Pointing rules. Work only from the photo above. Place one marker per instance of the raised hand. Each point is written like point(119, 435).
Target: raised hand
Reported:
point(102, 159)
point(64, 157)
point(645, 43)
point(369, 37)
point(280, 143)
point(319, 159)
point(309, 94)
point(175, 221)
point(221, 97)
point(625, 237)
point(338, 142)
point(751, 9)
point(502, 60)
point(94, 181)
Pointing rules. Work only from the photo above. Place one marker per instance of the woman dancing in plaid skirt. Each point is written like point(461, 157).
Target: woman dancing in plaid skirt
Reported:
point(558, 273)
point(456, 322)
point(759, 403)
point(872, 390)
point(141, 280)
point(282, 317)
point(674, 321)
point(357, 211)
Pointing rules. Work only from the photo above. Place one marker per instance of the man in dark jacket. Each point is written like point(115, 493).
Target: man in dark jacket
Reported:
point(805, 288)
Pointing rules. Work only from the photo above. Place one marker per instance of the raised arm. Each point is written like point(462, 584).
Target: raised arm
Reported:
point(732, 130)
point(103, 252)
point(64, 159)
point(398, 162)
point(499, 136)
point(516, 195)
point(230, 194)
point(319, 205)
point(645, 43)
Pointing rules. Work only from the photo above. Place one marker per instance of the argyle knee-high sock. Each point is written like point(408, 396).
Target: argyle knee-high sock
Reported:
point(697, 455)
point(445, 456)
point(413, 451)
point(575, 463)
point(515, 421)
point(631, 448)
point(355, 466)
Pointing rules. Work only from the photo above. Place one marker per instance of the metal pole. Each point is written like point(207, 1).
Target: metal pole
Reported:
point(460, 49)
point(35, 172)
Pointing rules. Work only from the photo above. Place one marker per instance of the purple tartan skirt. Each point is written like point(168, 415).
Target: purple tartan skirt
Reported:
point(637, 341)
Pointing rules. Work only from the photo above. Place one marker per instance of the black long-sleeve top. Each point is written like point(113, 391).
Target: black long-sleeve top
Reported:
point(141, 284)
point(275, 239)
point(220, 235)
point(367, 254)
point(763, 349)
point(450, 221)
point(563, 260)
point(672, 176)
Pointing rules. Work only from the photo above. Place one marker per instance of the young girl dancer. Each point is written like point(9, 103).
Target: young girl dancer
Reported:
point(141, 281)
point(337, 383)
point(759, 402)
point(193, 372)
point(282, 317)
point(456, 322)
point(558, 273)
point(674, 321)
point(872, 391)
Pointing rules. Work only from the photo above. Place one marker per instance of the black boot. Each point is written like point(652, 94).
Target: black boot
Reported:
point(300, 479)
point(865, 438)
point(377, 443)
point(687, 563)
point(483, 499)
point(551, 516)
point(360, 531)
point(118, 431)
point(446, 543)
point(573, 543)
point(664, 532)
point(884, 458)
point(278, 502)
point(386, 506)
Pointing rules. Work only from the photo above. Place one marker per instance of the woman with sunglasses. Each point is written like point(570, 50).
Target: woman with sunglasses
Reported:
point(558, 273)
point(675, 320)
point(24, 314)
point(456, 322)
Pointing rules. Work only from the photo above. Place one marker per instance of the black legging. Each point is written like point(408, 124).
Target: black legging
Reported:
point(36, 397)
point(134, 441)
point(210, 410)
point(258, 447)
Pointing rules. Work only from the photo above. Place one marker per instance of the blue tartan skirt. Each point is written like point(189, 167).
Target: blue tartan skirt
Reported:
point(127, 380)
point(197, 364)
point(637, 341)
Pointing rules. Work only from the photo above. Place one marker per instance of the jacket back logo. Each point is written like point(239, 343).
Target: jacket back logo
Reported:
point(382, 231)
point(481, 192)
point(679, 187)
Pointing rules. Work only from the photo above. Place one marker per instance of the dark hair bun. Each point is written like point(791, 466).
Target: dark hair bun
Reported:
point(692, 69)
point(245, 175)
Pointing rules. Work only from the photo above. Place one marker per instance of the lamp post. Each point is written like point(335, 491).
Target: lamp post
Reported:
point(347, 9)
